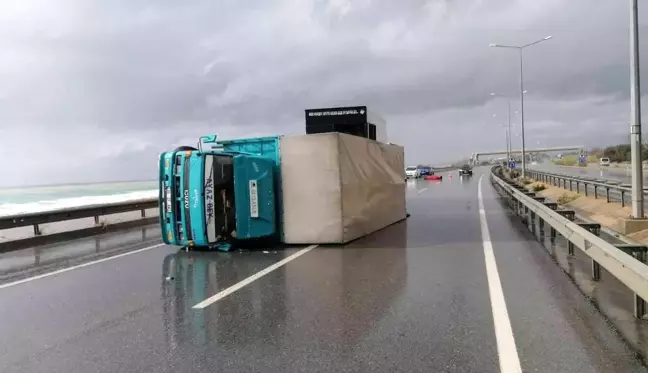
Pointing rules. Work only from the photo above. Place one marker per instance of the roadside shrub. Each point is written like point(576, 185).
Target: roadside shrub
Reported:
point(570, 160)
point(539, 187)
point(526, 181)
point(566, 198)
point(567, 160)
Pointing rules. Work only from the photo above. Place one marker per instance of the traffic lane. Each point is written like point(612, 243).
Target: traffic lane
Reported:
point(32, 261)
point(44, 313)
point(602, 173)
point(443, 319)
point(411, 297)
point(556, 328)
point(63, 316)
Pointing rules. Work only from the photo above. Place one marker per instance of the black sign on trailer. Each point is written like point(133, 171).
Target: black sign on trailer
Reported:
point(337, 115)
point(351, 120)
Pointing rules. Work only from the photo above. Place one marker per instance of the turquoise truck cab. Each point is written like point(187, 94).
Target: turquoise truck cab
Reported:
point(228, 193)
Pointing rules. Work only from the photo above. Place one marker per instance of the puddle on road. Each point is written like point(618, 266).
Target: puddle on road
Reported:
point(38, 259)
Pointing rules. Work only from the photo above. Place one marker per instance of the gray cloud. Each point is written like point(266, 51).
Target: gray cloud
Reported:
point(119, 82)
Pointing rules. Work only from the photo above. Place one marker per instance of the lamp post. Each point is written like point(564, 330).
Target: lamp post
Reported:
point(508, 142)
point(509, 146)
point(520, 48)
point(635, 114)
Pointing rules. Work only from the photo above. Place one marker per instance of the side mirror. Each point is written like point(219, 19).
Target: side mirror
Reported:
point(206, 140)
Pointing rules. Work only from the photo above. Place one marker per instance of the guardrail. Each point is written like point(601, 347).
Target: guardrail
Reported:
point(92, 211)
point(613, 190)
point(627, 262)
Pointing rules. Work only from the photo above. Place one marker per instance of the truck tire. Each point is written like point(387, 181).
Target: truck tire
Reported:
point(184, 148)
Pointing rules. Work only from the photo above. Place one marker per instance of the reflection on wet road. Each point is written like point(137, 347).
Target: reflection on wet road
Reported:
point(410, 298)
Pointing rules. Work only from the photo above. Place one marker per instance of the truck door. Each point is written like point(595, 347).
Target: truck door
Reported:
point(254, 196)
point(219, 198)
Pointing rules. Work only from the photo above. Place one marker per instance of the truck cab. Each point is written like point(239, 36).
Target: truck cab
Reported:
point(210, 198)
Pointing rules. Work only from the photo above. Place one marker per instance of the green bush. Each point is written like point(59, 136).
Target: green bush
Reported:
point(621, 152)
point(568, 160)
point(566, 198)
point(539, 187)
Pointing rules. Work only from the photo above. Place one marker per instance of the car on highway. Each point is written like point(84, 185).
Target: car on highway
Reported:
point(425, 170)
point(465, 170)
point(412, 172)
point(604, 162)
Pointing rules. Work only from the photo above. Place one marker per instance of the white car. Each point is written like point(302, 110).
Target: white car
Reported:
point(604, 162)
point(412, 172)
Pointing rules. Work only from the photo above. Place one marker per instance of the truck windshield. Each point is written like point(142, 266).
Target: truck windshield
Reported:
point(219, 198)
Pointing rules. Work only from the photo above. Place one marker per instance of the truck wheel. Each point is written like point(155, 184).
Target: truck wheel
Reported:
point(184, 148)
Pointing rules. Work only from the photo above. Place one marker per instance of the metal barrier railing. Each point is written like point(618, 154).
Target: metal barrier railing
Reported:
point(614, 191)
point(93, 211)
point(626, 262)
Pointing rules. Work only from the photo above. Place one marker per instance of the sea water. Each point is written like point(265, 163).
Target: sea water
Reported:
point(46, 198)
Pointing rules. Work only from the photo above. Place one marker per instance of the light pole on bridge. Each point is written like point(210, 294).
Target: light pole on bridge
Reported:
point(509, 145)
point(520, 48)
point(635, 113)
point(507, 134)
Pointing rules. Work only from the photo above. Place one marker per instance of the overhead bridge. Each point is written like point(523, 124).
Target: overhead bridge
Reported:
point(475, 156)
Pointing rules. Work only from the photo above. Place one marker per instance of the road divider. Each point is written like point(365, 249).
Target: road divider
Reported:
point(626, 262)
point(612, 190)
point(84, 227)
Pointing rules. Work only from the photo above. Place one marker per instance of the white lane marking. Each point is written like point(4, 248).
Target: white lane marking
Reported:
point(421, 191)
point(249, 280)
point(54, 273)
point(506, 349)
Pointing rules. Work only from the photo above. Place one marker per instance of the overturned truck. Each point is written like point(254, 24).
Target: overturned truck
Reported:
point(325, 188)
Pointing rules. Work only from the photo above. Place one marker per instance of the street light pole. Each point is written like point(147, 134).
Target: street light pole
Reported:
point(508, 149)
point(635, 113)
point(520, 48)
point(508, 132)
point(509, 143)
point(522, 115)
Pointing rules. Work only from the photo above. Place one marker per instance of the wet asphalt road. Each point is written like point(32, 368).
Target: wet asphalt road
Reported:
point(603, 173)
point(411, 298)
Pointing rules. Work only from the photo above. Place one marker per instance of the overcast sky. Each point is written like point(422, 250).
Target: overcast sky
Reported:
point(94, 90)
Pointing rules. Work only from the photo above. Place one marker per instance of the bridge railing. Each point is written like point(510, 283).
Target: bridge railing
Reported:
point(626, 262)
point(39, 219)
point(613, 191)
